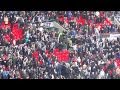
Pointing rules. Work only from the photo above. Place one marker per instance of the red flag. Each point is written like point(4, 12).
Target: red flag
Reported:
point(80, 20)
point(107, 21)
point(77, 20)
point(83, 21)
point(63, 56)
point(35, 55)
point(59, 56)
point(15, 26)
point(61, 18)
point(4, 26)
point(17, 33)
point(55, 51)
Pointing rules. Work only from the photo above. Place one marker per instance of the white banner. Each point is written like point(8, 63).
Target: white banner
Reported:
point(112, 37)
point(48, 24)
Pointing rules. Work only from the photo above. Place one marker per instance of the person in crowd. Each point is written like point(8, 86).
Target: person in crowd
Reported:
point(29, 49)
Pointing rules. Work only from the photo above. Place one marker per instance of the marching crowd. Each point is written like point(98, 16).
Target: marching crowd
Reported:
point(31, 52)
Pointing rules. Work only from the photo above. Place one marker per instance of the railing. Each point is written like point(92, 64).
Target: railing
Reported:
point(56, 24)
point(116, 21)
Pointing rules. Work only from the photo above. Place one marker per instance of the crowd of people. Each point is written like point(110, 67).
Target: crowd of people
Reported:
point(30, 50)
